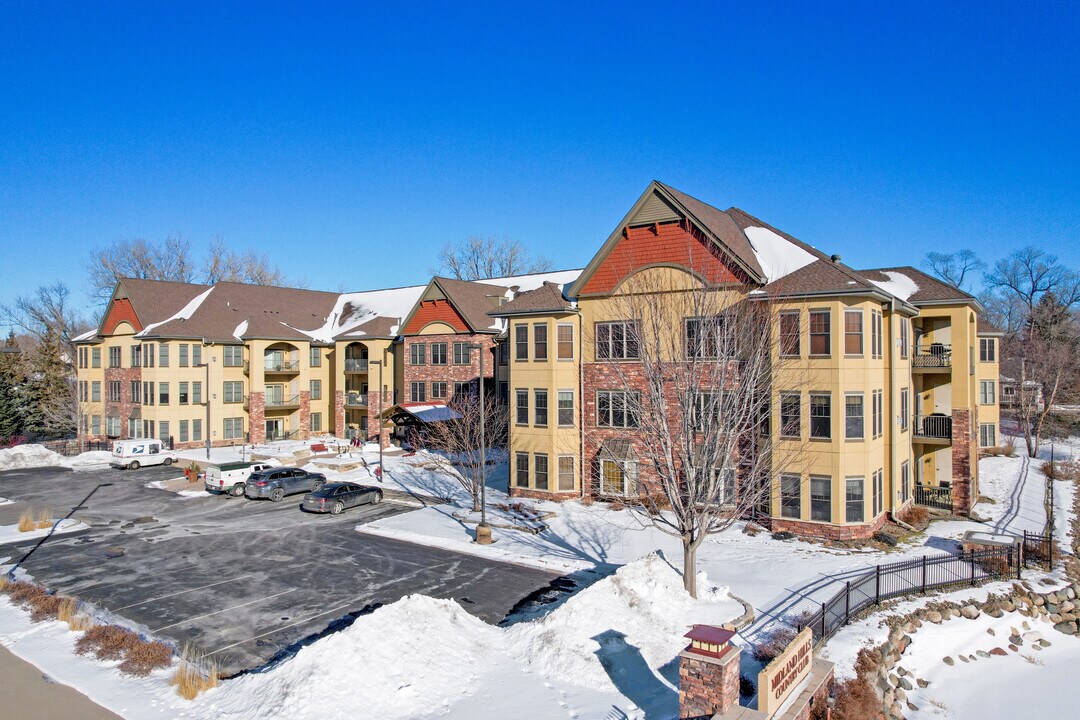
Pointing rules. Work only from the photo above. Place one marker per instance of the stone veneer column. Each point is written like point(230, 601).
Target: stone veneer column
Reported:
point(339, 413)
point(708, 686)
point(256, 418)
point(962, 481)
point(305, 415)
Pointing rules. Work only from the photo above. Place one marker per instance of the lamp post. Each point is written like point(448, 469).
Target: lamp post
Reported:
point(206, 401)
point(483, 530)
point(379, 420)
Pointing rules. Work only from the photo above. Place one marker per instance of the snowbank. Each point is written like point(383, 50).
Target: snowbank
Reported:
point(11, 534)
point(433, 657)
point(32, 456)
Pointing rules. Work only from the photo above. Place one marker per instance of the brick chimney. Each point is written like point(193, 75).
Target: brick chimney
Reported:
point(708, 673)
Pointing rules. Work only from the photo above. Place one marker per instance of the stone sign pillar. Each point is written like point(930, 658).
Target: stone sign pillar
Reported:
point(708, 673)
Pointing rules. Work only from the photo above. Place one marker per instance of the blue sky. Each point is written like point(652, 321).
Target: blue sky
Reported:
point(349, 143)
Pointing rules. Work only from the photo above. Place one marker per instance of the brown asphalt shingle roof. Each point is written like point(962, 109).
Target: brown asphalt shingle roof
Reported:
point(473, 300)
point(820, 276)
point(930, 288)
point(546, 298)
point(157, 300)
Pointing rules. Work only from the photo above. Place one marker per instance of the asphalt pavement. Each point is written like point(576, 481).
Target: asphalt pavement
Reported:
point(245, 580)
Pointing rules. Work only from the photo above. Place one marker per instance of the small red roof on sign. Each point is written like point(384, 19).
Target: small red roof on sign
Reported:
point(710, 634)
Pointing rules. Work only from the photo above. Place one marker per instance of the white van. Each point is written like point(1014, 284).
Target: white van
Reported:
point(133, 454)
point(231, 477)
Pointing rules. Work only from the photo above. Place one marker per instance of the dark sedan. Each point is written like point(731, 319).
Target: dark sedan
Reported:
point(276, 483)
point(335, 497)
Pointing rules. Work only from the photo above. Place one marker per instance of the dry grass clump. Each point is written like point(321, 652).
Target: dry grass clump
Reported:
point(42, 604)
point(111, 642)
point(68, 612)
point(26, 521)
point(195, 674)
point(44, 519)
point(773, 644)
point(145, 657)
point(4, 582)
point(855, 700)
point(917, 516)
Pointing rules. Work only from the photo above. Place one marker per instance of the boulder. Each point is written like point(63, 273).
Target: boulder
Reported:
point(970, 612)
point(934, 616)
point(949, 661)
point(921, 683)
point(998, 651)
point(982, 653)
point(905, 684)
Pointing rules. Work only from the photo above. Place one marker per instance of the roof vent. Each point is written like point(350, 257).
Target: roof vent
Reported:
point(835, 258)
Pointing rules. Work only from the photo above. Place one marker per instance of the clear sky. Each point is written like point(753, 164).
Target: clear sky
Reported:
point(349, 143)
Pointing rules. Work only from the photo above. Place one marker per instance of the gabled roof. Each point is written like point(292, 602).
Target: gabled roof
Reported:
point(985, 327)
point(155, 300)
point(548, 298)
point(927, 288)
point(818, 278)
point(762, 252)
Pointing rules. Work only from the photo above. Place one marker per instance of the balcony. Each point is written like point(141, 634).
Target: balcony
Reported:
point(932, 357)
point(272, 366)
point(356, 365)
point(274, 402)
point(932, 429)
point(356, 400)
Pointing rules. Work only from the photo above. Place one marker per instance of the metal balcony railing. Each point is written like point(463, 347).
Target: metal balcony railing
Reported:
point(354, 399)
point(937, 427)
point(935, 497)
point(272, 366)
point(281, 402)
point(932, 355)
point(356, 365)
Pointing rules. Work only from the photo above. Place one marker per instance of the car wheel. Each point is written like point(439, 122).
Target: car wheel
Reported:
point(316, 485)
point(168, 461)
point(236, 490)
point(377, 499)
point(277, 495)
point(134, 465)
point(338, 508)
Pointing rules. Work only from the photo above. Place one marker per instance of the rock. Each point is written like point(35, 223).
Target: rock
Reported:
point(912, 706)
point(1026, 626)
point(1067, 607)
point(1008, 606)
point(904, 643)
point(1014, 648)
point(970, 612)
point(1039, 600)
point(1043, 643)
point(1051, 608)
point(963, 658)
point(1033, 636)
point(901, 695)
point(894, 681)
point(990, 631)
point(906, 684)
point(934, 616)
point(998, 651)
point(949, 661)
point(995, 613)
point(982, 653)
point(1070, 594)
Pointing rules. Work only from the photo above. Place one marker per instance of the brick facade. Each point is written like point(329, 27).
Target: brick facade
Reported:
point(827, 531)
point(963, 450)
point(126, 408)
point(430, 311)
point(448, 373)
point(708, 686)
point(339, 413)
point(543, 494)
point(304, 429)
point(604, 376)
point(256, 418)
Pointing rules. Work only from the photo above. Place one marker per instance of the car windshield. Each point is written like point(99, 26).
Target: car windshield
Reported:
point(325, 490)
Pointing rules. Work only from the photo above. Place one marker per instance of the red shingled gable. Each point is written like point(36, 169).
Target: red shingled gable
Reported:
point(431, 311)
point(120, 311)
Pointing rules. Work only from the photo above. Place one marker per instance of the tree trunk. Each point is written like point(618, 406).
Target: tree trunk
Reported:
point(689, 549)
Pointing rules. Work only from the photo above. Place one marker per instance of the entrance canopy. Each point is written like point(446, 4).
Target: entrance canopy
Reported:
point(420, 413)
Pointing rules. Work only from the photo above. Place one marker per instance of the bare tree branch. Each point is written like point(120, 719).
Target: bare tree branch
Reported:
point(457, 442)
point(486, 257)
point(954, 268)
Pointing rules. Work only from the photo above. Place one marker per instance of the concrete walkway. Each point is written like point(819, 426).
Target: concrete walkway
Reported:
point(28, 695)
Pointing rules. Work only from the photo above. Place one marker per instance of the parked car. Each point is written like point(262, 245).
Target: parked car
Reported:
point(335, 497)
point(133, 454)
point(276, 483)
point(231, 477)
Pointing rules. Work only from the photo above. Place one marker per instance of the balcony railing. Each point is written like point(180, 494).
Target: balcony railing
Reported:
point(356, 399)
point(283, 402)
point(932, 355)
point(271, 366)
point(934, 427)
point(355, 365)
point(935, 497)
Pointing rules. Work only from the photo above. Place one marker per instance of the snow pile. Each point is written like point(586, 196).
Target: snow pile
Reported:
point(898, 284)
point(240, 329)
point(431, 655)
point(185, 312)
point(776, 255)
point(354, 309)
point(34, 456)
point(11, 533)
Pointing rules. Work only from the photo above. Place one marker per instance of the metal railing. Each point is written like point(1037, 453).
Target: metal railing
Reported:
point(276, 402)
point(935, 497)
point(356, 365)
point(356, 399)
point(908, 577)
point(1038, 549)
point(932, 355)
point(933, 426)
point(281, 367)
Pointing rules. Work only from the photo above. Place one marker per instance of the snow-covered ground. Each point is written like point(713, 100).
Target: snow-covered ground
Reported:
point(11, 533)
point(609, 647)
point(31, 456)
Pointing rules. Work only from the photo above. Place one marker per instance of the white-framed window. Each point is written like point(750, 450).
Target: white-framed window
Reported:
point(233, 428)
point(232, 355)
point(540, 341)
point(462, 353)
point(875, 334)
point(185, 432)
point(112, 426)
point(521, 469)
point(617, 340)
point(438, 390)
point(878, 479)
point(987, 350)
point(820, 416)
point(987, 392)
point(316, 422)
point(315, 390)
point(540, 471)
point(790, 496)
point(820, 333)
point(617, 408)
point(564, 339)
point(790, 338)
point(315, 356)
point(853, 332)
point(521, 342)
point(540, 408)
point(905, 409)
point(163, 355)
point(790, 415)
point(196, 430)
point(853, 499)
point(566, 408)
point(877, 398)
point(618, 478)
point(438, 353)
point(566, 472)
point(417, 391)
point(854, 422)
point(987, 435)
point(521, 406)
point(821, 498)
point(233, 391)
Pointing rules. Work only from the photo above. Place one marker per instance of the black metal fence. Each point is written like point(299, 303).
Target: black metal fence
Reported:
point(1038, 549)
point(935, 497)
point(907, 577)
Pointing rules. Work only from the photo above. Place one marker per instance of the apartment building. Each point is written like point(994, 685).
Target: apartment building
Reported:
point(883, 386)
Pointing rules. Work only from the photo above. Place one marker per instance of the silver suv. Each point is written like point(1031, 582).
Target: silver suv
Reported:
point(276, 483)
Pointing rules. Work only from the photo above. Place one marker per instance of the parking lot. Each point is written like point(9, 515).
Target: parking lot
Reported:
point(242, 579)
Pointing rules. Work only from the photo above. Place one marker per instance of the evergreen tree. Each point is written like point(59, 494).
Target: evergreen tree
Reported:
point(12, 389)
point(51, 404)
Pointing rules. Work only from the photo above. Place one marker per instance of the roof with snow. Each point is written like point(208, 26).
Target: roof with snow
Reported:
point(421, 412)
point(548, 298)
point(915, 286)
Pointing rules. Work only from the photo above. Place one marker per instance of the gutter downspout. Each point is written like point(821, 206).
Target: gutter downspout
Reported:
point(892, 433)
point(581, 400)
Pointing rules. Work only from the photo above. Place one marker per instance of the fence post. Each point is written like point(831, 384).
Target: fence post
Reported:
point(877, 584)
point(1018, 566)
point(847, 601)
point(822, 621)
point(924, 574)
point(972, 560)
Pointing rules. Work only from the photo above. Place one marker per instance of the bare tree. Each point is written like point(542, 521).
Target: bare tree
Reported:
point(486, 257)
point(456, 442)
point(955, 267)
point(47, 310)
point(1030, 273)
point(174, 259)
point(698, 395)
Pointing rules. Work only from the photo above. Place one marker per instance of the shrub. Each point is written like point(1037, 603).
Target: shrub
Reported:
point(106, 642)
point(783, 535)
point(195, 674)
point(855, 700)
point(864, 663)
point(885, 538)
point(1008, 448)
point(916, 515)
point(26, 521)
point(747, 687)
point(145, 657)
point(44, 519)
point(994, 565)
point(773, 644)
point(68, 612)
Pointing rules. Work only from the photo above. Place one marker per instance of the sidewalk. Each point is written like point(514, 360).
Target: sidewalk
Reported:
point(29, 696)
